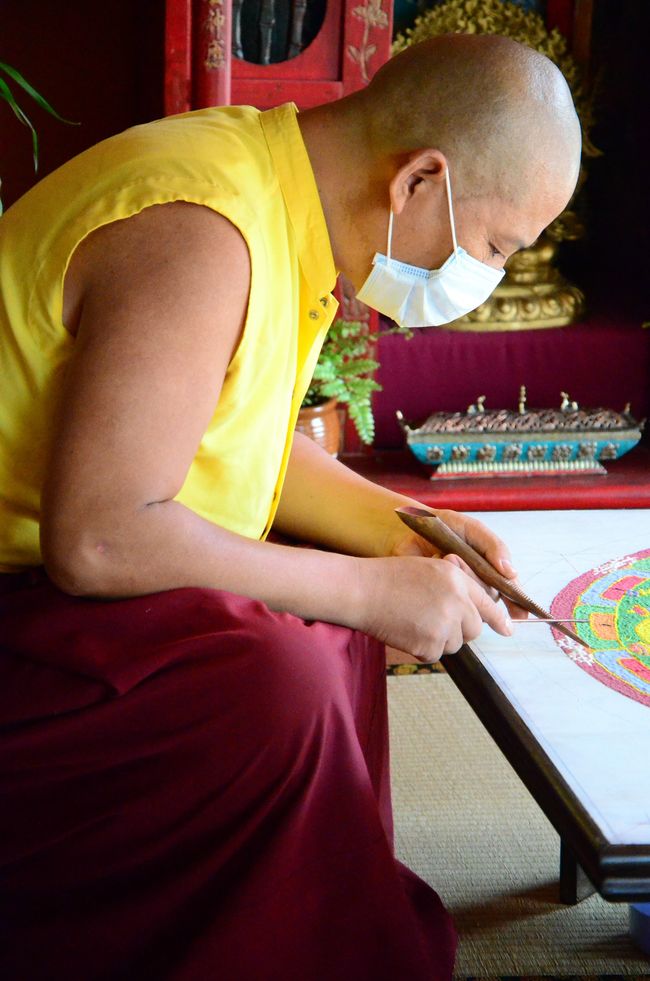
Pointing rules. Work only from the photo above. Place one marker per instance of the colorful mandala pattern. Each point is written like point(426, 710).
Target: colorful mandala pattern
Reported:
point(614, 599)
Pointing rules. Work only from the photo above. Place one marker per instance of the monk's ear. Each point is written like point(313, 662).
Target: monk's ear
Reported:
point(419, 165)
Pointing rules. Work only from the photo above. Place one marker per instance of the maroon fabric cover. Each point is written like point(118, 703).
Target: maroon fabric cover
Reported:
point(603, 362)
point(195, 787)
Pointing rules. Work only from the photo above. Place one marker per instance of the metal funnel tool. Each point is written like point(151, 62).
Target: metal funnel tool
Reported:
point(434, 530)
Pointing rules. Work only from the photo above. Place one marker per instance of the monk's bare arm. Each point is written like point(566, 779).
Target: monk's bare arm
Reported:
point(161, 307)
point(325, 502)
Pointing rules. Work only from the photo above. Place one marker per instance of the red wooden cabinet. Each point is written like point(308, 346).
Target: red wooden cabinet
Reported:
point(353, 41)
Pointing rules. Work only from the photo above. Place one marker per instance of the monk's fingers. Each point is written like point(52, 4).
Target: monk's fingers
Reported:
point(483, 540)
point(461, 564)
point(491, 546)
point(492, 613)
point(515, 612)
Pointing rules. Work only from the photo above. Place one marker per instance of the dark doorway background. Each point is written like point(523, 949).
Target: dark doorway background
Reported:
point(100, 64)
point(612, 262)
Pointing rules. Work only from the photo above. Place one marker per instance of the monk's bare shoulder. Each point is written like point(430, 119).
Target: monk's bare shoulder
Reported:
point(158, 304)
point(168, 244)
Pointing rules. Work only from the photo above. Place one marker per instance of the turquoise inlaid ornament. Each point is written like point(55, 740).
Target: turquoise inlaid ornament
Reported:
point(493, 442)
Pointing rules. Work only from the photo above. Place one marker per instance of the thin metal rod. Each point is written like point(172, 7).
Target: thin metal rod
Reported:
point(549, 620)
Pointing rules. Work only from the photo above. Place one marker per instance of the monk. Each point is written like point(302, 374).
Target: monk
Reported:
point(193, 737)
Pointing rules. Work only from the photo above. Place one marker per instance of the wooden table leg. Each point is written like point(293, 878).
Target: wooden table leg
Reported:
point(574, 883)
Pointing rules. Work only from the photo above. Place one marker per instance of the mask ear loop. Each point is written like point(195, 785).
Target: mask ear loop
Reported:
point(451, 210)
point(390, 234)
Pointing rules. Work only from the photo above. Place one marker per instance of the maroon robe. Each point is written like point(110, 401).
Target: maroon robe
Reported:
point(195, 788)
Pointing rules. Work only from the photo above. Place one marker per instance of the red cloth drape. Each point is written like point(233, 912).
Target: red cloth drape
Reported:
point(195, 787)
point(602, 362)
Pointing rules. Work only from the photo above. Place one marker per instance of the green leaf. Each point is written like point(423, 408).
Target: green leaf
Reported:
point(36, 96)
point(7, 95)
point(363, 420)
point(364, 366)
point(344, 371)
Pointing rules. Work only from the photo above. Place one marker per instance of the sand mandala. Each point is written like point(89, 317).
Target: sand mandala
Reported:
point(614, 599)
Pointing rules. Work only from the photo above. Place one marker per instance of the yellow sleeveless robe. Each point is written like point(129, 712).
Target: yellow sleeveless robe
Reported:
point(252, 168)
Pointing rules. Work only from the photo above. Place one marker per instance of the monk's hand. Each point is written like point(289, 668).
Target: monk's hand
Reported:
point(476, 534)
point(425, 606)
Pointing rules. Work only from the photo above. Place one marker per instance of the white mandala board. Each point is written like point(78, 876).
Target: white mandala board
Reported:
point(597, 738)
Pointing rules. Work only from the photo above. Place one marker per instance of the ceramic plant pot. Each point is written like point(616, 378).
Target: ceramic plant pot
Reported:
point(321, 423)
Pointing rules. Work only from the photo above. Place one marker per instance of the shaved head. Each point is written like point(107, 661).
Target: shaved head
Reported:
point(495, 115)
point(500, 112)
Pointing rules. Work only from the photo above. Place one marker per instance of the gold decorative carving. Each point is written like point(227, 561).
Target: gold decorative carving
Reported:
point(533, 293)
point(374, 17)
point(214, 23)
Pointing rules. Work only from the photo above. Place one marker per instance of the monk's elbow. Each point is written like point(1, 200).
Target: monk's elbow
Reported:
point(78, 562)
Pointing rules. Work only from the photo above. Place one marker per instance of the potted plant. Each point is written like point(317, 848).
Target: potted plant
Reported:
point(343, 376)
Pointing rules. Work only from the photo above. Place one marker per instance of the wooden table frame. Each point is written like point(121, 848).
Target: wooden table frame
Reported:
point(588, 861)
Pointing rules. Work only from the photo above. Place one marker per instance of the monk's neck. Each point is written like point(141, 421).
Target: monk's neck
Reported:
point(351, 197)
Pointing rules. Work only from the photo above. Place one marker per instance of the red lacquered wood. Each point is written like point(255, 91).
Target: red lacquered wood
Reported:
point(178, 66)
point(367, 33)
point(211, 50)
point(320, 60)
point(582, 29)
point(352, 44)
point(266, 93)
point(573, 18)
point(559, 13)
point(626, 485)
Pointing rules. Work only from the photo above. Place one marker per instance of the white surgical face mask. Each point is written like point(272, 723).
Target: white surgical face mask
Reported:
point(416, 297)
